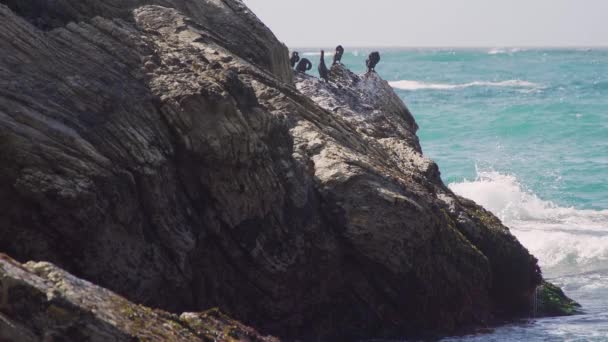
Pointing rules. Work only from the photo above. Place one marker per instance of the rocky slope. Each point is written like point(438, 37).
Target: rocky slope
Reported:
point(168, 154)
point(40, 302)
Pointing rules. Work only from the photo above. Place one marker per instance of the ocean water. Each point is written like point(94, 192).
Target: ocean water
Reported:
point(523, 132)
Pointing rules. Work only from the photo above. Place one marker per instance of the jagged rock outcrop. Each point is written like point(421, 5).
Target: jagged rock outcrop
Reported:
point(166, 153)
point(40, 302)
point(227, 20)
point(550, 300)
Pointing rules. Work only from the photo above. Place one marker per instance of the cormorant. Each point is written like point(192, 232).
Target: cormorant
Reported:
point(372, 61)
point(338, 55)
point(304, 65)
point(323, 71)
point(295, 57)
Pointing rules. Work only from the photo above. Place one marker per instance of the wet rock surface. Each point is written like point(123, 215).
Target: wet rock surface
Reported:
point(170, 155)
point(550, 300)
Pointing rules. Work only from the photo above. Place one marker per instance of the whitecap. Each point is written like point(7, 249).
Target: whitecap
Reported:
point(502, 51)
point(327, 54)
point(497, 51)
point(417, 85)
point(564, 239)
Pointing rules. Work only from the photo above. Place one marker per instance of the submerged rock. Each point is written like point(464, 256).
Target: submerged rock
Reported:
point(40, 302)
point(167, 154)
point(550, 300)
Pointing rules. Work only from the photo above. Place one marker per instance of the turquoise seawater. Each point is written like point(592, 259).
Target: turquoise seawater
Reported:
point(524, 132)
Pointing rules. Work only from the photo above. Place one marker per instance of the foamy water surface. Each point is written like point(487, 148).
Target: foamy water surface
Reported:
point(415, 85)
point(571, 245)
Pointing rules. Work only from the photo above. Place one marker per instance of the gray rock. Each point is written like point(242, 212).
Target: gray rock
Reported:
point(40, 302)
point(166, 154)
point(228, 20)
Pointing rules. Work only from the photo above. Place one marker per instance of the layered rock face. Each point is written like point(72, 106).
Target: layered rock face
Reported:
point(40, 302)
point(168, 154)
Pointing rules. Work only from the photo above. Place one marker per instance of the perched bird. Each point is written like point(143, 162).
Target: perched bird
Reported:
point(304, 65)
point(372, 61)
point(323, 71)
point(338, 54)
point(295, 57)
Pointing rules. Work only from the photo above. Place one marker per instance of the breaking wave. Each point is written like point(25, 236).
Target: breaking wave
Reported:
point(502, 51)
point(563, 239)
point(416, 85)
point(327, 53)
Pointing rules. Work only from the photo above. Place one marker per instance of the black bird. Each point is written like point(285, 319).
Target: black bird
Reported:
point(304, 65)
point(295, 57)
point(338, 55)
point(323, 72)
point(372, 61)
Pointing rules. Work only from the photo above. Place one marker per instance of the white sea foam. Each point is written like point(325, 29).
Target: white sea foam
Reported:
point(416, 85)
point(496, 51)
point(327, 54)
point(502, 51)
point(564, 239)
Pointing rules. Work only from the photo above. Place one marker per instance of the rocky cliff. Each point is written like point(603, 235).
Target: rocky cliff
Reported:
point(164, 150)
point(40, 302)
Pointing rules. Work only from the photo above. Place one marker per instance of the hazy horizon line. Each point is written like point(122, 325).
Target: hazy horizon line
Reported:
point(457, 46)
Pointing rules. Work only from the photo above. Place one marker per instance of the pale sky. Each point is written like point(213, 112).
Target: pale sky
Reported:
point(448, 23)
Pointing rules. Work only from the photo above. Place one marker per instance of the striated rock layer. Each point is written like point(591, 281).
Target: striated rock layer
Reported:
point(169, 154)
point(40, 302)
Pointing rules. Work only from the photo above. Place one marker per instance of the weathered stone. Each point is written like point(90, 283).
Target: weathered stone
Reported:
point(229, 20)
point(40, 302)
point(209, 180)
point(551, 301)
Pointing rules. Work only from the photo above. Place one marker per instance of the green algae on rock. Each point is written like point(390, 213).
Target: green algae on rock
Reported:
point(551, 301)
